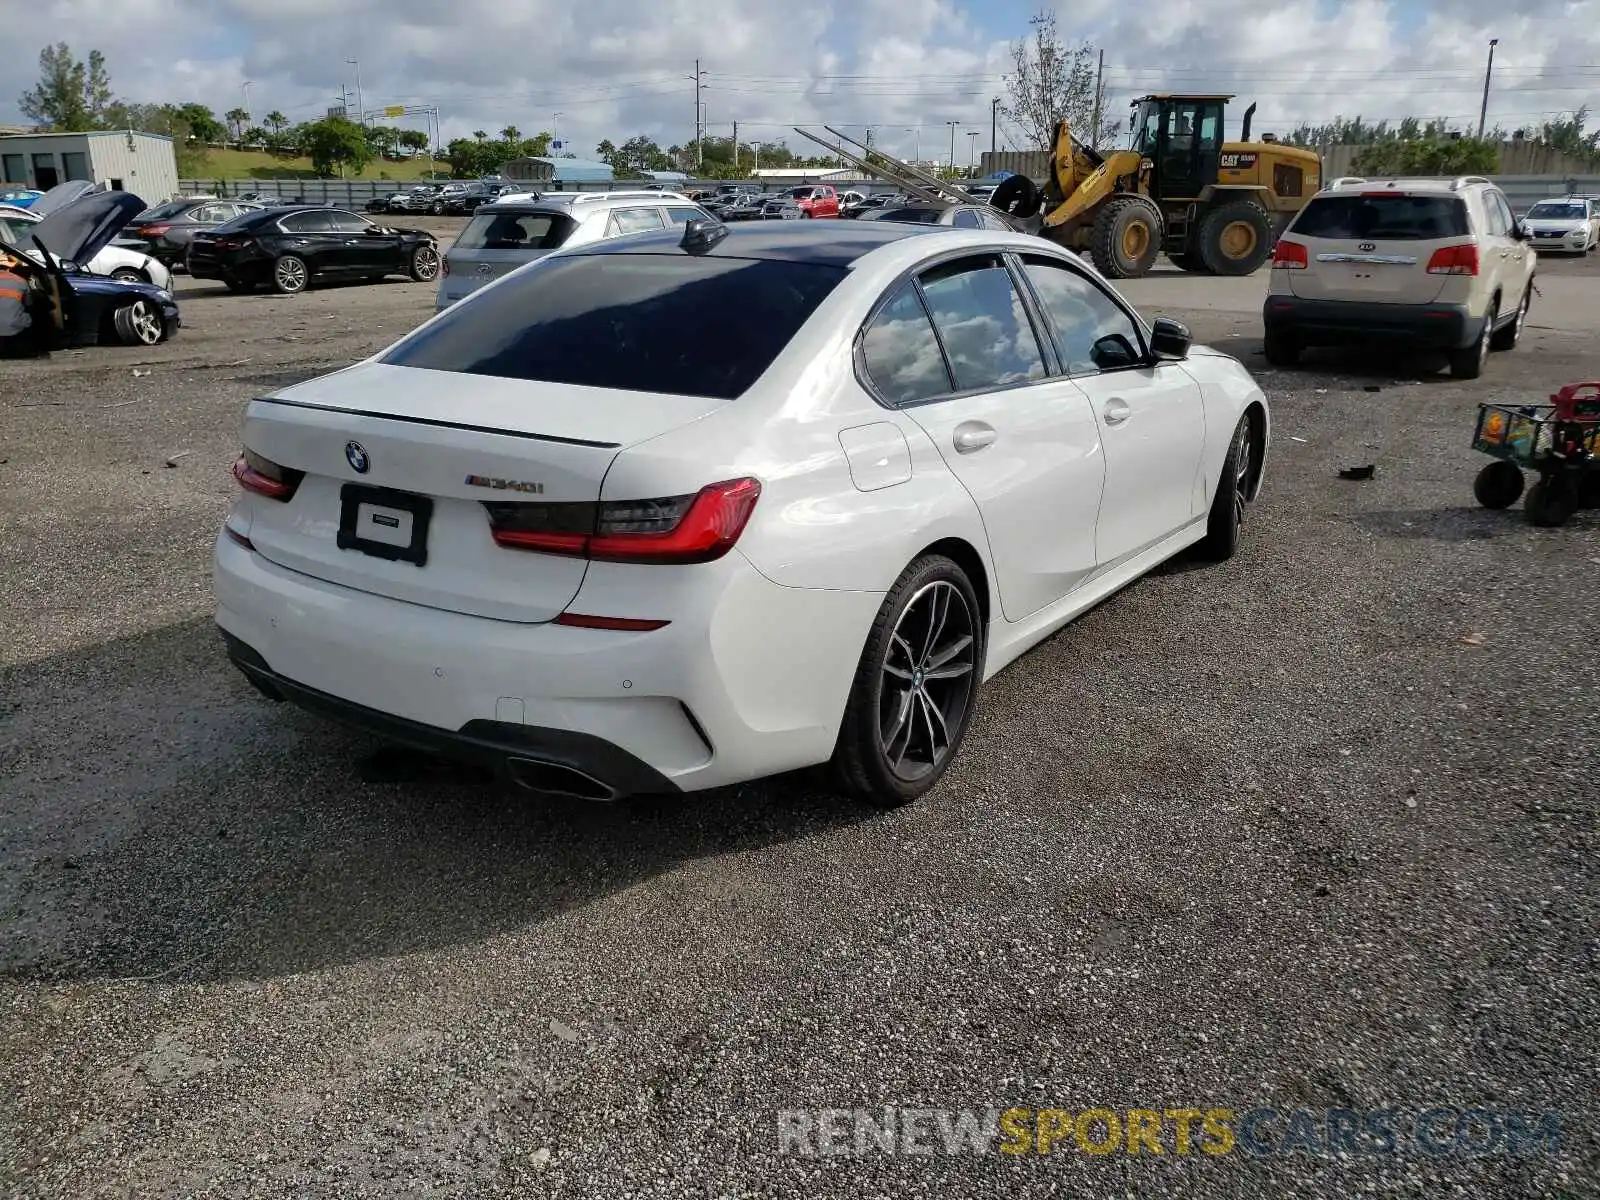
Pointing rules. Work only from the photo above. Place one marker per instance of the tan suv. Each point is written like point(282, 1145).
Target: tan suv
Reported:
point(1436, 264)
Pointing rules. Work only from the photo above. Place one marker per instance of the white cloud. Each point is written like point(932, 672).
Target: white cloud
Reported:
point(613, 68)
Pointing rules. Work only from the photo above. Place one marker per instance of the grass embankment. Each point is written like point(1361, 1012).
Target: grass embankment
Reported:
point(258, 164)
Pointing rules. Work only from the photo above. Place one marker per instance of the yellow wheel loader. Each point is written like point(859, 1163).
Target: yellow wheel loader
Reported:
point(1211, 206)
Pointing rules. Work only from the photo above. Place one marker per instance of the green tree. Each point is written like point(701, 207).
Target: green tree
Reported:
point(276, 121)
point(414, 140)
point(335, 144)
point(255, 136)
point(236, 117)
point(202, 122)
point(1567, 135)
point(70, 96)
point(1434, 153)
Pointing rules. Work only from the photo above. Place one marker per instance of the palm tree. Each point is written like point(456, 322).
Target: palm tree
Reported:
point(511, 134)
point(236, 117)
point(276, 121)
point(480, 135)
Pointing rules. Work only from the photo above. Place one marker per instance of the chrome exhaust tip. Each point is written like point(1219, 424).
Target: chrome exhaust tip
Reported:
point(558, 779)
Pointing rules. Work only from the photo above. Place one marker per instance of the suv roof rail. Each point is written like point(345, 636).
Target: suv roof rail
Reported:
point(1463, 180)
point(625, 194)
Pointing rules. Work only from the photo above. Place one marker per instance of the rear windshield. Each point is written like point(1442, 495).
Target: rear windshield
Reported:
point(920, 216)
point(170, 209)
point(670, 323)
point(1390, 218)
point(515, 231)
point(1559, 210)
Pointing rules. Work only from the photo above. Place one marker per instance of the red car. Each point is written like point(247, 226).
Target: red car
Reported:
point(816, 200)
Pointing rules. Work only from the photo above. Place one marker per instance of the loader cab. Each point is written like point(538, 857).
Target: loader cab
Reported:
point(1181, 138)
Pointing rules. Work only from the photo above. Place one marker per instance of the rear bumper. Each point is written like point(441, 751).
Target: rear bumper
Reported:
point(584, 765)
point(1341, 322)
point(718, 696)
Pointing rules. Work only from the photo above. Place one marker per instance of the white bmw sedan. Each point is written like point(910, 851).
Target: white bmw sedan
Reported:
point(693, 507)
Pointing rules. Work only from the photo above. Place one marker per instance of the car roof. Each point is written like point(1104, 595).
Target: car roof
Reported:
point(1422, 186)
point(830, 243)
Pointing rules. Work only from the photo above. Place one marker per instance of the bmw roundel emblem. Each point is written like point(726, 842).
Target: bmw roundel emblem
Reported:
point(356, 456)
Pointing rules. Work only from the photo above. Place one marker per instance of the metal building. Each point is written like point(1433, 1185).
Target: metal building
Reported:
point(125, 160)
point(556, 170)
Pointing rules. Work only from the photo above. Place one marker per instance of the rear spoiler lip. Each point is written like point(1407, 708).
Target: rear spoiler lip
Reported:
point(438, 424)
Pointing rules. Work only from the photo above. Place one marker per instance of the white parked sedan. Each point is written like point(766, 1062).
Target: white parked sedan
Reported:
point(1570, 224)
point(688, 508)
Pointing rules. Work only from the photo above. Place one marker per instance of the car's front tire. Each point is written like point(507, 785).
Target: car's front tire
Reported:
point(423, 265)
point(1233, 493)
point(139, 324)
point(915, 687)
point(130, 275)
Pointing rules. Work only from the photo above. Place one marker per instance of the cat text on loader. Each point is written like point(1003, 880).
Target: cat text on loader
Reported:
point(1213, 207)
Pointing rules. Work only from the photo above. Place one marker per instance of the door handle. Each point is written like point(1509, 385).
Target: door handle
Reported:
point(1116, 411)
point(972, 435)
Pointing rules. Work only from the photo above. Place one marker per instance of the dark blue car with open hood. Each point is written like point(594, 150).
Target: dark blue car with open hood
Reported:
point(58, 303)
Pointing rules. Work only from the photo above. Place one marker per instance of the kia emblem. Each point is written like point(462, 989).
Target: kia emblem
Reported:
point(1368, 247)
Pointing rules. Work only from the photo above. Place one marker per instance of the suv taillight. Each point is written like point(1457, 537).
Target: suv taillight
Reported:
point(1454, 260)
point(265, 477)
point(1290, 256)
point(696, 528)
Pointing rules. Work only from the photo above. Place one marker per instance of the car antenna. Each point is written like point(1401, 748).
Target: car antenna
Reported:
point(699, 234)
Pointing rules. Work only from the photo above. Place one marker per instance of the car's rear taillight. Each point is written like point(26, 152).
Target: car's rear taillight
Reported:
point(265, 477)
point(1290, 256)
point(230, 243)
point(153, 230)
point(1454, 260)
point(696, 528)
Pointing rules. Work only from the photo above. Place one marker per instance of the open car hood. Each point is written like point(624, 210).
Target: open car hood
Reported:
point(62, 195)
point(80, 230)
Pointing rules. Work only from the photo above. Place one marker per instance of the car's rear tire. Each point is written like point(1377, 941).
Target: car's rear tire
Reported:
point(423, 266)
point(437, 210)
point(290, 275)
point(1498, 485)
point(1233, 493)
point(239, 286)
point(139, 324)
point(1468, 362)
point(915, 687)
point(1281, 349)
point(1125, 240)
point(1507, 338)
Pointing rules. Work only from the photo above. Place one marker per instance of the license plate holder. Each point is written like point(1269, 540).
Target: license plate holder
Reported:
point(376, 509)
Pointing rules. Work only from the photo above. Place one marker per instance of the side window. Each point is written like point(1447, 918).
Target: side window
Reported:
point(209, 214)
point(1082, 317)
point(682, 216)
point(306, 222)
point(634, 220)
point(1495, 216)
point(344, 222)
point(901, 353)
point(994, 221)
point(983, 325)
point(966, 218)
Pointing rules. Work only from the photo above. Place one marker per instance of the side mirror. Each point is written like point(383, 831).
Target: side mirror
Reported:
point(1113, 351)
point(1169, 339)
point(1519, 232)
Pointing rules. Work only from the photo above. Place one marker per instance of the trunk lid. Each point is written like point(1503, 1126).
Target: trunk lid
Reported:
point(452, 442)
point(1375, 245)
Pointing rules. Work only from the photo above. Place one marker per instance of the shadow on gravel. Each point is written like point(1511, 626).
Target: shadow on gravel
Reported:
point(1363, 365)
point(160, 820)
point(1461, 524)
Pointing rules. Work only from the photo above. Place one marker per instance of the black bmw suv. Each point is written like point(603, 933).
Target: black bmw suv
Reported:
point(286, 248)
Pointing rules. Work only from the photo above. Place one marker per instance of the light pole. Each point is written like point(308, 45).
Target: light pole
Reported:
point(555, 132)
point(952, 125)
point(916, 143)
point(972, 149)
point(247, 84)
point(1483, 113)
point(361, 109)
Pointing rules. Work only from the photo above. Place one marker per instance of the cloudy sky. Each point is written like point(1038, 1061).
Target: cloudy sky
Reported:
point(613, 68)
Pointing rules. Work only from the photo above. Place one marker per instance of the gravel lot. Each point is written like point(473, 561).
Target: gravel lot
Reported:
point(1312, 828)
